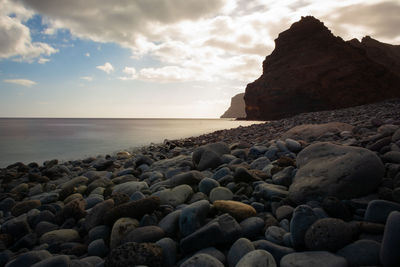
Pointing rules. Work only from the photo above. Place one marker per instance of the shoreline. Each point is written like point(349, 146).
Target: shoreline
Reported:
point(236, 196)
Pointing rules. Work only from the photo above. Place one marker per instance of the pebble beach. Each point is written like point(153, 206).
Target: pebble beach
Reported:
point(316, 189)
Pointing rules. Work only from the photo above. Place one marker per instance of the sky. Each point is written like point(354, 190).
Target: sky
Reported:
point(155, 58)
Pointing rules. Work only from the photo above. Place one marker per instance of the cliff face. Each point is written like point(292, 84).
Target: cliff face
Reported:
point(237, 108)
point(311, 69)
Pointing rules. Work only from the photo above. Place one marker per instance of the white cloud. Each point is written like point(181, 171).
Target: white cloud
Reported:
point(87, 54)
point(15, 38)
point(43, 60)
point(87, 78)
point(23, 82)
point(107, 67)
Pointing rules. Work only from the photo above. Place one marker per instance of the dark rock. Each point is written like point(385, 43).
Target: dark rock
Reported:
point(303, 218)
point(255, 257)
point(7, 204)
point(311, 69)
point(56, 261)
point(345, 172)
point(74, 209)
point(133, 209)
point(131, 254)
point(361, 253)
point(16, 227)
point(277, 251)
point(202, 260)
point(60, 236)
point(170, 223)
point(389, 254)
point(328, 234)
point(169, 251)
point(144, 234)
point(209, 156)
point(378, 210)
point(252, 227)
point(240, 248)
point(193, 217)
point(275, 234)
point(29, 258)
point(44, 227)
point(284, 212)
point(98, 232)
point(243, 175)
point(207, 184)
point(24, 207)
point(28, 241)
point(98, 248)
point(96, 215)
point(120, 229)
point(337, 209)
point(313, 259)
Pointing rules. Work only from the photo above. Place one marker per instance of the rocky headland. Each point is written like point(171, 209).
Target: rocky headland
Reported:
point(237, 108)
point(310, 69)
point(320, 188)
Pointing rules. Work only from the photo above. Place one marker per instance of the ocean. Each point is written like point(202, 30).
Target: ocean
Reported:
point(38, 139)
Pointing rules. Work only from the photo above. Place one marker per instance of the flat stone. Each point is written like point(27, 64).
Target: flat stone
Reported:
point(60, 236)
point(276, 250)
point(311, 132)
point(389, 253)
point(258, 257)
point(56, 261)
point(29, 258)
point(240, 248)
point(133, 254)
point(313, 259)
point(238, 210)
point(345, 172)
point(144, 234)
point(284, 212)
point(24, 206)
point(361, 253)
point(176, 196)
point(130, 187)
point(379, 210)
point(270, 191)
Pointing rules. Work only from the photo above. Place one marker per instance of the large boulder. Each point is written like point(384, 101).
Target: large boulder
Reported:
point(345, 172)
point(310, 132)
point(209, 156)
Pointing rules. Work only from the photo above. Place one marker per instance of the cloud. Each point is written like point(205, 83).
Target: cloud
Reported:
point(15, 38)
point(23, 82)
point(87, 78)
point(131, 74)
point(107, 67)
point(43, 60)
point(87, 54)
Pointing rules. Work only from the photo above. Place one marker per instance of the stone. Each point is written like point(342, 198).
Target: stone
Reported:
point(260, 163)
point(74, 209)
point(207, 184)
point(284, 177)
point(132, 254)
point(236, 109)
point(257, 257)
point(16, 227)
point(209, 156)
point(55, 261)
point(145, 234)
point(98, 248)
point(303, 218)
point(193, 217)
point(93, 261)
point(220, 193)
point(379, 210)
point(176, 196)
point(284, 212)
point(275, 234)
point(270, 191)
point(313, 259)
point(222, 230)
point(170, 223)
point(7, 204)
point(238, 210)
point(120, 229)
point(29, 258)
point(24, 206)
point(93, 200)
point(293, 145)
point(392, 156)
point(396, 136)
point(243, 175)
point(361, 253)
point(389, 254)
point(130, 187)
point(99, 232)
point(96, 215)
point(202, 260)
point(336, 208)
point(44, 227)
point(241, 247)
point(311, 132)
point(133, 209)
point(169, 251)
point(345, 172)
point(328, 234)
point(276, 250)
point(60, 236)
point(252, 227)
point(212, 251)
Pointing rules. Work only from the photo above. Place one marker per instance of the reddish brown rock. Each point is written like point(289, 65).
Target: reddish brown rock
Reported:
point(311, 69)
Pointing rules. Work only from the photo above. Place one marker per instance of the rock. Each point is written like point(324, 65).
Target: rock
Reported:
point(389, 254)
point(252, 227)
point(361, 253)
point(55, 261)
point(240, 248)
point(44, 227)
point(7, 204)
point(284, 177)
point(202, 260)
point(29, 258)
point(74, 209)
point(243, 175)
point(209, 156)
point(379, 210)
point(123, 155)
point(392, 156)
point(144, 234)
point(24, 206)
point(60, 236)
point(270, 191)
point(303, 218)
point(238, 210)
point(237, 108)
point(99, 232)
point(328, 234)
point(284, 212)
point(345, 172)
point(222, 230)
point(293, 145)
point(220, 193)
point(176, 196)
point(133, 209)
point(396, 136)
point(275, 234)
point(170, 223)
point(169, 250)
point(164, 165)
point(92, 261)
point(98, 248)
point(311, 132)
point(337, 209)
point(96, 215)
point(319, 71)
point(132, 254)
point(260, 163)
point(130, 187)
point(16, 227)
point(187, 178)
point(313, 259)
point(277, 251)
point(193, 217)
point(207, 184)
point(120, 229)
point(257, 257)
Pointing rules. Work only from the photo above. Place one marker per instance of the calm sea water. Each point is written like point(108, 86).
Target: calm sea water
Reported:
point(29, 140)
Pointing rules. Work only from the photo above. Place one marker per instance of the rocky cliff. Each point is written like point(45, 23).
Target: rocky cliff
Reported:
point(237, 108)
point(310, 69)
